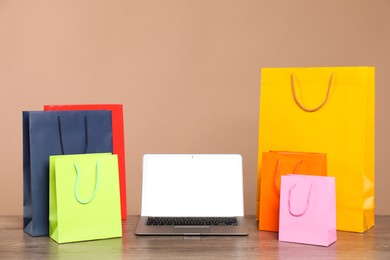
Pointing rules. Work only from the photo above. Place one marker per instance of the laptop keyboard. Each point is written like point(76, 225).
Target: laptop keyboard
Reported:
point(191, 221)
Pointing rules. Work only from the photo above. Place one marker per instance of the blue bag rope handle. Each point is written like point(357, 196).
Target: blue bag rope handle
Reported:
point(307, 201)
point(85, 134)
point(76, 188)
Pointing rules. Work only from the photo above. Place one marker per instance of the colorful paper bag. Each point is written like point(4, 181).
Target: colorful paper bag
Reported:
point(326, 110)
point(48, 133)
point(118, 140)
point(276, 164)
point(308, 210)
point(84, 198)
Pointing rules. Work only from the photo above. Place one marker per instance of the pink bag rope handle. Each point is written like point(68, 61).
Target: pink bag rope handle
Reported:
point(278, 175)
point(307, 201)
point(300, 104)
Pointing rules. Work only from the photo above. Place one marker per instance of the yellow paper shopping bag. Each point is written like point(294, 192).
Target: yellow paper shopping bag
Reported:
point(325, 110)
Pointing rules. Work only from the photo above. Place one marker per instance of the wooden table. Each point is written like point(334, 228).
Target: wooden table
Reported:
point(15, 244)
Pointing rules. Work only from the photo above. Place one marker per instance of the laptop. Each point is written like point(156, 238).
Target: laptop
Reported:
point(192, 194)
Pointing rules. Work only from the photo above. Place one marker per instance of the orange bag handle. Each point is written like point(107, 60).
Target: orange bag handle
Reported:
point(307, 202)
point(300, 104)
point(278, 175)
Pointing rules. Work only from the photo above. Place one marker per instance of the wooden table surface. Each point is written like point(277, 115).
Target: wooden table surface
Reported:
point(15, 244)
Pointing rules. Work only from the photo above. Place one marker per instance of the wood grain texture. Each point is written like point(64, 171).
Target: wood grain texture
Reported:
point(15, 244)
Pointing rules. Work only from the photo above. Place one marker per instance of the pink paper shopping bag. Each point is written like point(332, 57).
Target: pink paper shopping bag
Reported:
point(307, 210)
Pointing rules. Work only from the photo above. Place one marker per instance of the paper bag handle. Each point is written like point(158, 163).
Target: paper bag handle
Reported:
point(76, 188)
point(300, 104)
point(85, 134)
point(307, 202)
point(278, 175)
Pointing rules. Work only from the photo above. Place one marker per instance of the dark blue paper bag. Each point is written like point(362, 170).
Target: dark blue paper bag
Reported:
point(48, 133)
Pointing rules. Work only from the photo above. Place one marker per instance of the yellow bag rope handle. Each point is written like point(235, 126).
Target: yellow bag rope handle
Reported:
point(300, 104)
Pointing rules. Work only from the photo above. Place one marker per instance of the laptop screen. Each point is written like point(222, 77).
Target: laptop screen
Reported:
point(192, 185)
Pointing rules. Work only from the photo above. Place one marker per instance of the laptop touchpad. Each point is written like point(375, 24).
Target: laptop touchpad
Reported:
point(192, 229)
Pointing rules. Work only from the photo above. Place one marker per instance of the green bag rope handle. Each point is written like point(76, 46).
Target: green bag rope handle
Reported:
point(307, 202)
point(300, 104)
point(76, 188)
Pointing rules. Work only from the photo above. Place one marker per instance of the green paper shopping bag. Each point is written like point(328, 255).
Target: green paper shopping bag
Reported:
point(84, 200)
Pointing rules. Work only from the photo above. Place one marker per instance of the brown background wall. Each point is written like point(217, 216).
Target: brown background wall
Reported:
point(187, 72)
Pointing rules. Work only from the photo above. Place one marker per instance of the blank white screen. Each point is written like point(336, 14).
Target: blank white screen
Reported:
point(192, 185)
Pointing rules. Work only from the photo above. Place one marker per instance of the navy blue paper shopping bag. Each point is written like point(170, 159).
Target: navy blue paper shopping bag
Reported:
point(48, 133)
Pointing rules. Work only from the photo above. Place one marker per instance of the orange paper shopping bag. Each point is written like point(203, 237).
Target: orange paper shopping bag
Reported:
point(275, 164)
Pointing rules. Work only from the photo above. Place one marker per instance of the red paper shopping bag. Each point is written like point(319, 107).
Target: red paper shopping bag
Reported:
point(308, 210)
point(118, 142)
